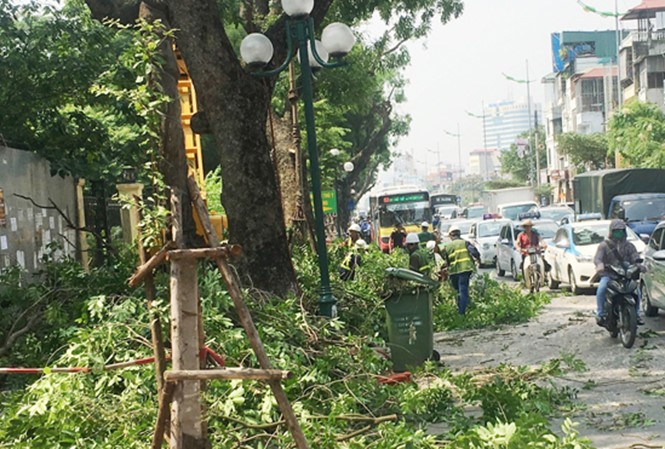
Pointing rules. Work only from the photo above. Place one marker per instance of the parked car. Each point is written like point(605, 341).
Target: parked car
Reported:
point(483, 235)
point(653, 281)
point(573, 249)
point(508, 258)
point(557, 214)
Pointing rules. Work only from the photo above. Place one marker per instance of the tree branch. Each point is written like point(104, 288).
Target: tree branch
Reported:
point(13, 336)
point(394, 48)
point(70, 224)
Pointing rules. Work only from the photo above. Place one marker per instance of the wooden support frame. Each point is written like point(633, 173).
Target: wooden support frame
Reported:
point(226, 374)
point(245, 317)
point(226, 252)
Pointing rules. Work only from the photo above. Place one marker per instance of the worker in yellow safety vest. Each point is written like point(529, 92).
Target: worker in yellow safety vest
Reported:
point(352, 260)
point(459, 256)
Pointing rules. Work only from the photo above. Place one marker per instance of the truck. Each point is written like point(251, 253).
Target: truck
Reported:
point(636, 195)
point(493, 199)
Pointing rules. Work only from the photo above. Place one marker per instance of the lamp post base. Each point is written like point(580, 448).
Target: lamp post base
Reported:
point(327, 305)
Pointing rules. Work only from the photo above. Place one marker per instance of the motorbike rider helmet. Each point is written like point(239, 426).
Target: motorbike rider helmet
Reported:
point(424, 225)
point(617, 229)
point(454, 229)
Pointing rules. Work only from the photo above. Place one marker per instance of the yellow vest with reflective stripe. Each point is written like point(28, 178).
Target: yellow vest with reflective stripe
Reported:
point(459, 259)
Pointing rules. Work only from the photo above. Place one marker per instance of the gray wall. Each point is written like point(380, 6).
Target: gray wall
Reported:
point(27, 230)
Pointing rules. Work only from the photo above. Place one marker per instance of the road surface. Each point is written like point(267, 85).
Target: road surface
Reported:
point(621, 391)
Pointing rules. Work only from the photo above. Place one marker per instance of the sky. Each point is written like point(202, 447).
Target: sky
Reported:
point(460, 64)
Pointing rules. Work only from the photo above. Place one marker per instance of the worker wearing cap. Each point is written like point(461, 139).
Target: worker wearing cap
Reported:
point(459, 256)
point(419, 259)
point(353, 260)
point(425, 236)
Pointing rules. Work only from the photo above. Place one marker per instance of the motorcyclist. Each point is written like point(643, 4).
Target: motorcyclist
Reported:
point(613, 251)
point(528, 238)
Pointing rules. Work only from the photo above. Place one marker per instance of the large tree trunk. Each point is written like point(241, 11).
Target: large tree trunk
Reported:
point(174, 160)
point(236, 106)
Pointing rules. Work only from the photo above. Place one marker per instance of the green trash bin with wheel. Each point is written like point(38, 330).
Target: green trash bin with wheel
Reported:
point(409, 318)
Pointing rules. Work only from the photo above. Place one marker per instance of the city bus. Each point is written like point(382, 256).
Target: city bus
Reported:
point(408, 206)
point(438, 200)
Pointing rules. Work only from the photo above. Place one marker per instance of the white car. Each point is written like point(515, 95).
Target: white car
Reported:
point(508, 258)
point(514, 210)
point(463, 225)
point(573, 249)
point(483, 235)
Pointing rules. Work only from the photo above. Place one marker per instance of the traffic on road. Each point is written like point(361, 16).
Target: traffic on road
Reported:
point(608, 241)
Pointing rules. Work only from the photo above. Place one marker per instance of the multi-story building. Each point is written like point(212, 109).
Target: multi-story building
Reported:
point(506, 120)
point(643, 54)
point(579, 95)
point(484, 163)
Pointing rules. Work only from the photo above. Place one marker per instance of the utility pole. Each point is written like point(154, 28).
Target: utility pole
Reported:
point(459, 150)
point(485, 153)
point(537, 150)
point(528, 95)
point(618, 56)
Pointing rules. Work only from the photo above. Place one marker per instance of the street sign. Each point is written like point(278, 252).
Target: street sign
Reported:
point(521, 146)
point(329, 198)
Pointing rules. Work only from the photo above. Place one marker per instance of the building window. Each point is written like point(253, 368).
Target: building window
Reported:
point(593, 98)
point(655, 80)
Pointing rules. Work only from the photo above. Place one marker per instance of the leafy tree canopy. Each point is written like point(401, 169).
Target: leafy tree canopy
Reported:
point(520, 164)
point(586, 151)
point(69, 89)
point(638, 133)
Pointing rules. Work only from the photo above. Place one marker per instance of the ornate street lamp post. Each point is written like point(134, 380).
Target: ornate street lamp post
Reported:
point(337, 40)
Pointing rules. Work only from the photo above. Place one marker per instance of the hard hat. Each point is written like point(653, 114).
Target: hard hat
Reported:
point(361, 244)
point(527, 222)
point(424, 224)
point(454, 229)
point(412, 237)
point(431, 245)
point(354, 227)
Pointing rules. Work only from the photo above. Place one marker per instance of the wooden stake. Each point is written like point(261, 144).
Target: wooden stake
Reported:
point(162, 415)
point(146, 268)
point(205, 253)
point(226, 374)
point(245, 317)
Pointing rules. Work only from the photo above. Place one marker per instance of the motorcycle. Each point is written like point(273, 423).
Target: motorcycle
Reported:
point(620, 303)
point(534, 270)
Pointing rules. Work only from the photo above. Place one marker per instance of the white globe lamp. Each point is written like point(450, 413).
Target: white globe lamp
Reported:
point(297, 8)
point(256, 50)
point(338, 39)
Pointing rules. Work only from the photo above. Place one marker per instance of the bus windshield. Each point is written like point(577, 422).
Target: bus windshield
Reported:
point(405, 213)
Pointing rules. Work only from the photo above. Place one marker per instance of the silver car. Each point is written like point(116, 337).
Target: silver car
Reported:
point(653, 281)
point(483, 235)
